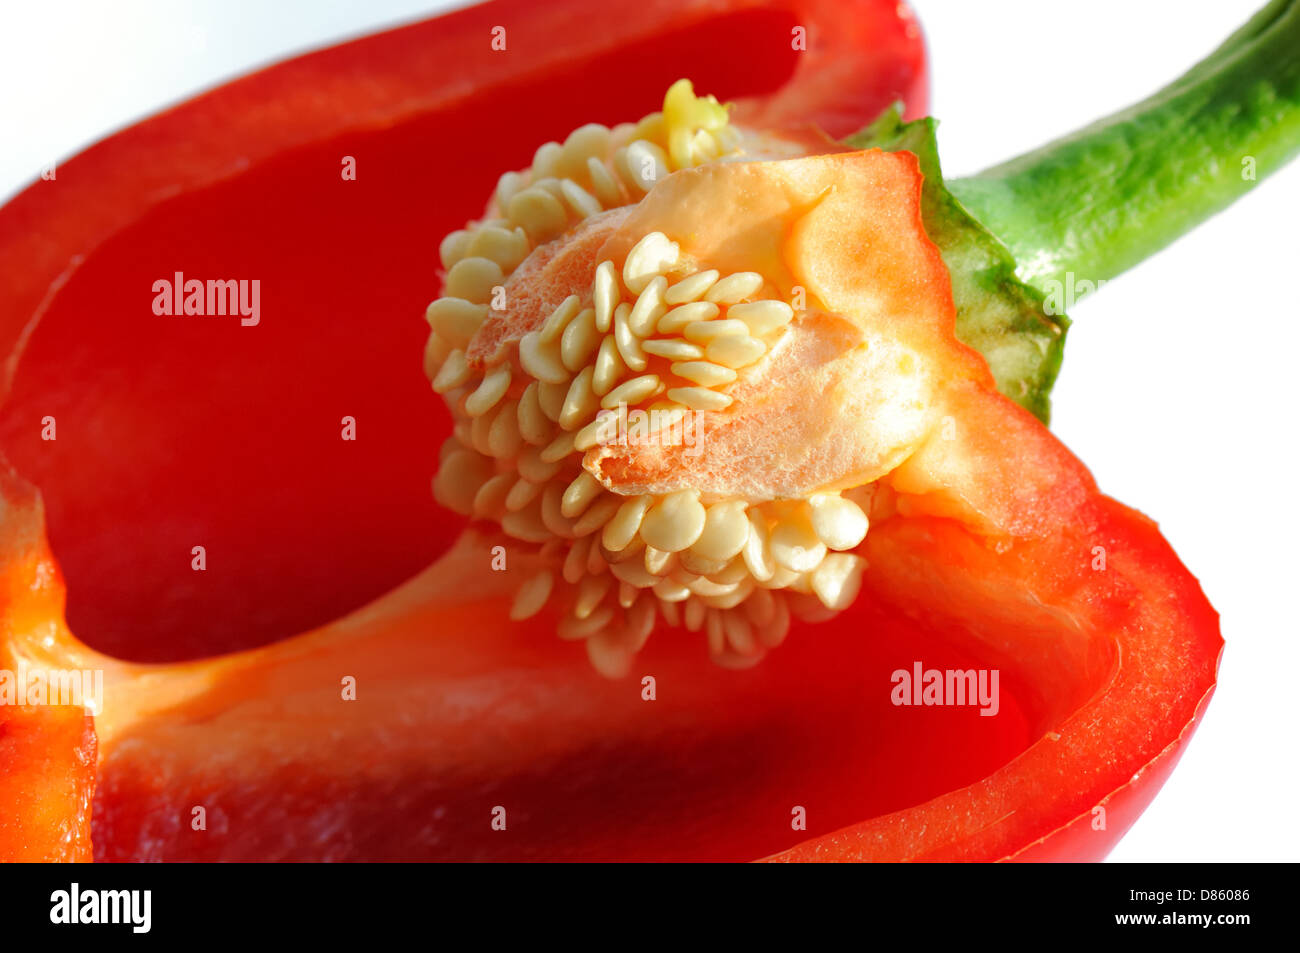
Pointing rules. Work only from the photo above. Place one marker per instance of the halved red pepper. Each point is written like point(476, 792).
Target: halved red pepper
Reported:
point(1104, 670)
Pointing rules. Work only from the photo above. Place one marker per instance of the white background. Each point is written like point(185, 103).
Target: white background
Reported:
point(1178, 382)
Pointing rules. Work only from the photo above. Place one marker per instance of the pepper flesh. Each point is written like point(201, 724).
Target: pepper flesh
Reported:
point(528, 722)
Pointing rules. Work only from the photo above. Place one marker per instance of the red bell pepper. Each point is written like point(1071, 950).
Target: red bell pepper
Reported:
point(1106, 646)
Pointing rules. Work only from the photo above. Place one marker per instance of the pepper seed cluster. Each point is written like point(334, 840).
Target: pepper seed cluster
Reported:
point(654, 333)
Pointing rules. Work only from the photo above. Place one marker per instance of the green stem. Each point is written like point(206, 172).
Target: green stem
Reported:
point(1102, 199)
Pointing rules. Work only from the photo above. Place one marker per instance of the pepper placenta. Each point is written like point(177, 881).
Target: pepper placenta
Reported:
point(989, 546)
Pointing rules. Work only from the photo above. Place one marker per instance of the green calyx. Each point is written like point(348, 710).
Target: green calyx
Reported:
point(998, 315)
point(1086, 207)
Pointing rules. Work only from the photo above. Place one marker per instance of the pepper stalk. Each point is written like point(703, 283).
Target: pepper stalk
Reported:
point(1103, 198)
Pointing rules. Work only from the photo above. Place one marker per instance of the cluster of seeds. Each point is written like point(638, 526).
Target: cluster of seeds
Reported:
point(525, 424)
point(657, 333)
